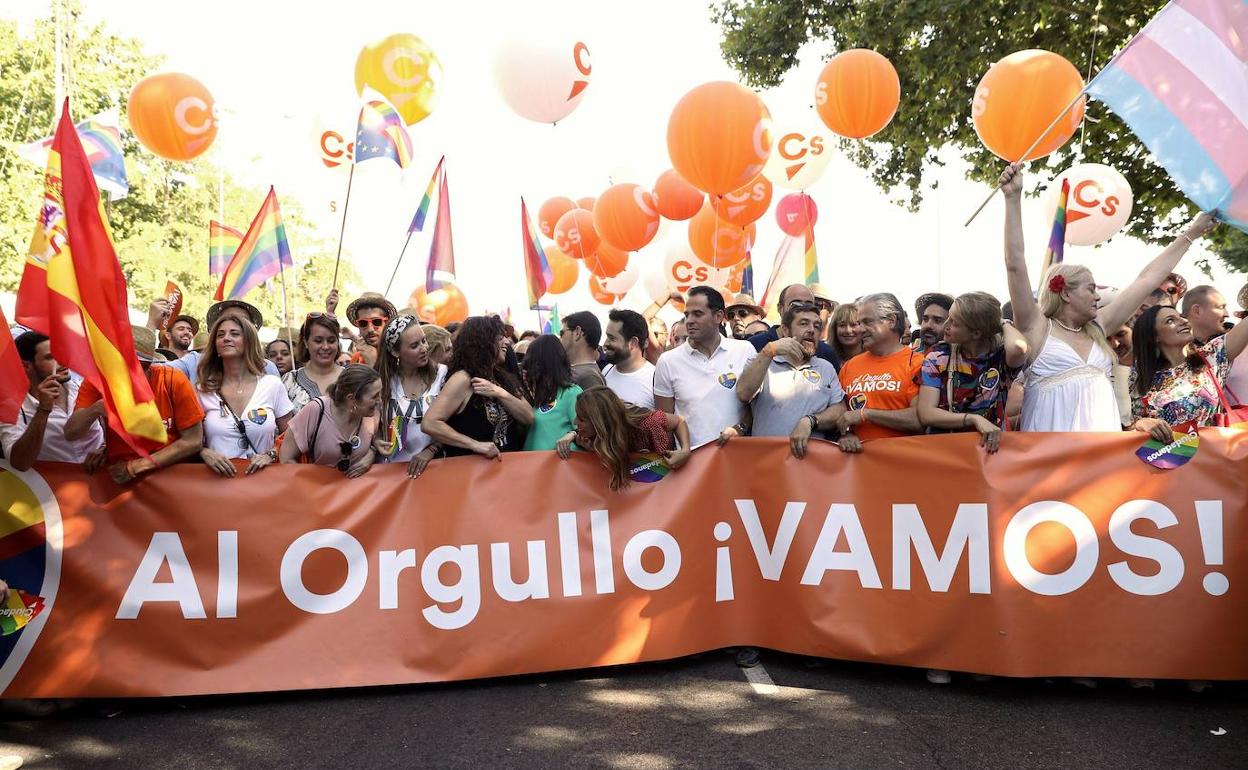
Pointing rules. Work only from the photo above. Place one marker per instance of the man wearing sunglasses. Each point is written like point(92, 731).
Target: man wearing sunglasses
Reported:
point(741, 313)
point(368, 314)
point(791, 296)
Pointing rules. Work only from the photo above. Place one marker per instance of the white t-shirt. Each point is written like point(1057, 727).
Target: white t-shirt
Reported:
point(268, 402)
point(410, 412)
point(56, 448)
point(636, 388)
point(1237, 379)
point(705, 389)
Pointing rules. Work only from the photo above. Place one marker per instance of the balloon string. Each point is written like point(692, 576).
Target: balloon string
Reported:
point(1096, 28)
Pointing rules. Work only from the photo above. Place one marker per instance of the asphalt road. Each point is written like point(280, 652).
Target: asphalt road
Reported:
point(693, 712)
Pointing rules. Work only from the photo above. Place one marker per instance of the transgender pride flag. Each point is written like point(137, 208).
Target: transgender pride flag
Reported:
point(1182, 86)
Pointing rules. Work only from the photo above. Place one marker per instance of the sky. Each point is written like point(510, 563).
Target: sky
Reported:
point(282, 72)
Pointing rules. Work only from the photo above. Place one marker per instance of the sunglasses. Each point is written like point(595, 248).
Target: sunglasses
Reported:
point(1172, 290)
point(347, 447)
point(740, 313)
point(376, 323)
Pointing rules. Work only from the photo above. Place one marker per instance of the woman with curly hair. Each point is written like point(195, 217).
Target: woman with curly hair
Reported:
point(479, 410)
point(614, 430)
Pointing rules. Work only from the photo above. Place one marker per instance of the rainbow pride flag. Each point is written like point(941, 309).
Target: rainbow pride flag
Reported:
point(536, 266)
point(101, 140)
point(223, 244)
point(747, 276)
point(811, 270)
point(261, 254)
point(1056, 251)
point(422, 211)
point(440, 269)
point(380, 134)
point(19, 608)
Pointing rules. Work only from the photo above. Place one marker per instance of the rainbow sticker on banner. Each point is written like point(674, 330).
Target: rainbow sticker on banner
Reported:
point(648, 468)
point(1182, 447)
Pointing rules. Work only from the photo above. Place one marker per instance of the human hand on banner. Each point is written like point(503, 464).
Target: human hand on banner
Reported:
point(563, 447)
point(258, 461)
point(989, 434)
point(421, 461)
point(1011, 181)
point(799, 438)
point(362, 464)
point(95, 460)
point(218, 462)
point(677, 457)
point(846, 422)
point(726, 435)
point(488, 450)
point(850, 444)
point(331, 301)
point(1159, 430)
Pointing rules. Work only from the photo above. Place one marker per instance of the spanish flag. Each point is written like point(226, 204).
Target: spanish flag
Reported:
point(73, 291)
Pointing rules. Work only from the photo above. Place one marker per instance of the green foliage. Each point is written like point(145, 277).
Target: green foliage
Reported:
point(161, 228)
point(941, 48)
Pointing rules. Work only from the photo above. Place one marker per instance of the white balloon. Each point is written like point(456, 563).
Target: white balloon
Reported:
point(798, 157)
point(655, 284)
point(622, 281)
point(1098, 206)
point(682, 269)
point(541, 82)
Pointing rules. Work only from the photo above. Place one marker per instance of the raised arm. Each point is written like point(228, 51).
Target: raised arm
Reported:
point(1128, 300)
point(1237, 339)
point(1026, 311)
point(1015, 346)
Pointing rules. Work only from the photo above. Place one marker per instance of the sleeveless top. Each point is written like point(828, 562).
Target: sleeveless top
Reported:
point(1064, 393)
point(486, 419)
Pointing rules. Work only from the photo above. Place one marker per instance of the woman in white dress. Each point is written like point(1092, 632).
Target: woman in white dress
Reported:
point(1068, 376)
point(244, 408)
point(410, 382)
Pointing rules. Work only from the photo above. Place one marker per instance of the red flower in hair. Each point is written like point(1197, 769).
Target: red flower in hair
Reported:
point(1057, 284)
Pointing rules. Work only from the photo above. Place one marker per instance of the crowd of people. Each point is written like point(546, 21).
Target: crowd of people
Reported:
point(386, 387)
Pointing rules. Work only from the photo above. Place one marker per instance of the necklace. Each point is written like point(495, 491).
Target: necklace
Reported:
point(1058, 321)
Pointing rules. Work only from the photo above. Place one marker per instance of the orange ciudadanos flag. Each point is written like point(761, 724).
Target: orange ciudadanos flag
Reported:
point(73, 291)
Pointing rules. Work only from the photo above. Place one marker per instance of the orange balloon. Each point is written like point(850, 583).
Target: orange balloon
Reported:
point(575, 234)
point(172, 115)
point(550, 212)
point(746, 205)
point(586, 203)
point(1019, 97)
point(719, 136)
point(565, 270)
point(718, 243)
point(736, 277)
point(606, 261)
point(600, 294)
point(626, 217)
point(440, 306)
point(857, 93)
point(677, 199)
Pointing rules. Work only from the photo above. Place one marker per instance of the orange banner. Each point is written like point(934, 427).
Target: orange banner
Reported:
point(1063, 555)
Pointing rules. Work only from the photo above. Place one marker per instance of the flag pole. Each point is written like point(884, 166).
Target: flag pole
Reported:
point(398, 262)
point(1028, 151)
point(345, 205)
point(290, 343)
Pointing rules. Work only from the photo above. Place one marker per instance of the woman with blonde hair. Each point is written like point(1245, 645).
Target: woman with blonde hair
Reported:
point(1068, 371)
point(614, 430)
point(844, 333)
point(440, 345)
point(244, 408)
point(966, 378)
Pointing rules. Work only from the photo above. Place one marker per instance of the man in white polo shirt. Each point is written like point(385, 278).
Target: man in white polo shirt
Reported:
point(39, 433)
point(698, 380)
point(629, 374)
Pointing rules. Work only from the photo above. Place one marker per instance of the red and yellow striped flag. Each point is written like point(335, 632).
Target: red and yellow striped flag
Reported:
point(73, 291)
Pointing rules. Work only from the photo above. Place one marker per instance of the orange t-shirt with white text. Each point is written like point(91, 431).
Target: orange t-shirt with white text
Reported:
point(881, 382)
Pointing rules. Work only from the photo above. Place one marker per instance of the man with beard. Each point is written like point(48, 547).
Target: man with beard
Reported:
point(39, 433)
point(882, 384)
point(791, 391)
point(795, 294)
point(580, 335)
point(369, 313)
point(188, 363)
point(182, 333)
point(741, 313)
point(628, 373)
point(933, 311)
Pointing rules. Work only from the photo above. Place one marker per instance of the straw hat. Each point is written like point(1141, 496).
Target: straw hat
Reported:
point(253, 313)
point(370, 299)
point(746, 301)
point(145, 344)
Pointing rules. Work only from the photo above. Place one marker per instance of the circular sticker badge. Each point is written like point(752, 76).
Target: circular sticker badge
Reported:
point(649, 467)
point(1178, 451)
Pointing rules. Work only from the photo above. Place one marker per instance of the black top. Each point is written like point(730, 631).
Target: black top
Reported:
point(822, 350)
point(486, 419)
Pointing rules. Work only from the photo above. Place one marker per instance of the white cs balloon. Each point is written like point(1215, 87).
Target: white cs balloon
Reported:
point(624, 280)
point(682, 269)
point(798, 158)
point(655, 284)
point(1098, 206)
point(540, 82)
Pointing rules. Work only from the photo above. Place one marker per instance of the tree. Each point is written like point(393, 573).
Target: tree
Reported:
point(940, 49)
point(160, 229)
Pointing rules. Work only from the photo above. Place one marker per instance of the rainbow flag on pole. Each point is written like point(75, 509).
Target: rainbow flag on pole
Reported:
point(422, 211)
point(1181, 85)
point(73, 291)
point(261, 254)
point(536, 266)
point(380, 134)
point(223, 244)
point(101, 140)
point(441, 268)
point(1056, 251)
